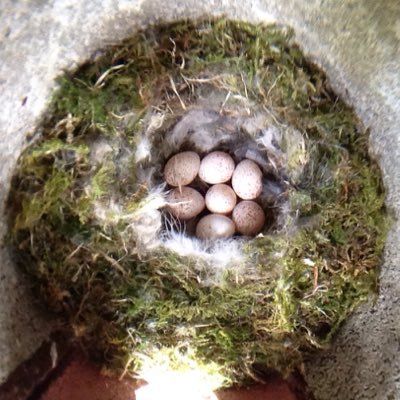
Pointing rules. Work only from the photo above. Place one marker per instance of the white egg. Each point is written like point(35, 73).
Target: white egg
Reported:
point(182, 168)
point(216, 167)
point(220, 199)
point(185, 203)
point(215, 226)
point(248, 217)
point(247, 180)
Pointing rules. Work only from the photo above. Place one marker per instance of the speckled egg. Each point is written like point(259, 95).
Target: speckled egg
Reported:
point(216, 167)
point(247, 180)
point(182, 168)
point(215, 226)
point(248, 217)
point(220, 199)
point(185, 203)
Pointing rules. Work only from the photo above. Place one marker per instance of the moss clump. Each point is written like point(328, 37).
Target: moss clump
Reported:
point(76, 192)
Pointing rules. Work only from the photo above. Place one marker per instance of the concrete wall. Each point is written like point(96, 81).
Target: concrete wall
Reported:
point(356, 41)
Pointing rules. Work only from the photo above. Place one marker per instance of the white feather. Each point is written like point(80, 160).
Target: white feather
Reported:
point(216, 257)
point(143, 149)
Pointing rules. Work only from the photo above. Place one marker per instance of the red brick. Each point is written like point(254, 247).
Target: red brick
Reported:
point(82, 380)
point(275, 390)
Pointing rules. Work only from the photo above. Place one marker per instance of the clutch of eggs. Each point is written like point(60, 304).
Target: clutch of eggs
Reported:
point(230, 196)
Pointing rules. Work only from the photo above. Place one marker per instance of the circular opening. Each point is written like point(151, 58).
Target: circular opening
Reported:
point(88, 204)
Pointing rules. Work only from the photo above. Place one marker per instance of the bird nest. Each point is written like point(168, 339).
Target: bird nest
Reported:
point(89, 224)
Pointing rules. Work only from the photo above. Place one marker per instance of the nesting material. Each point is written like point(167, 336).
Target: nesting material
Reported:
point(109, 238)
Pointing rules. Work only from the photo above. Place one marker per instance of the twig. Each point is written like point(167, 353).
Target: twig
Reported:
point(245, 86)
point(203, 80)
point(173, 52)
point(275, 82)
point(105, 74)
point(115, 264)
point(225, 101)
point(176, 92)
point(74, 252)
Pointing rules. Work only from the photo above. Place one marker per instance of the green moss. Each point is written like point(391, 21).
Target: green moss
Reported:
point(49, 201)
point(123, 307)
point(102, 181)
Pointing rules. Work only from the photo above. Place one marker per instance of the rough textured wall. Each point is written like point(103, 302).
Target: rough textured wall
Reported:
point(358, 44)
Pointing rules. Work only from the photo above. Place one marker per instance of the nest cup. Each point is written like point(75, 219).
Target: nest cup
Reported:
point(203, 131)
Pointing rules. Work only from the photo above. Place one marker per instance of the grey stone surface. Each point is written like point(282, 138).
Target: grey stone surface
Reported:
point(358, 44)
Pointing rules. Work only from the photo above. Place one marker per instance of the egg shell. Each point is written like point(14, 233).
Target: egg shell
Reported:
point(185, 203)
point(220, 199)
point(247, 180)
point(216, 167)
point(182, 168)
point(248, 217)
point(215, 226)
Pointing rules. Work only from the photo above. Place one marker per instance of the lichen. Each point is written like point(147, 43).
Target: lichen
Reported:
point(74, 204)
